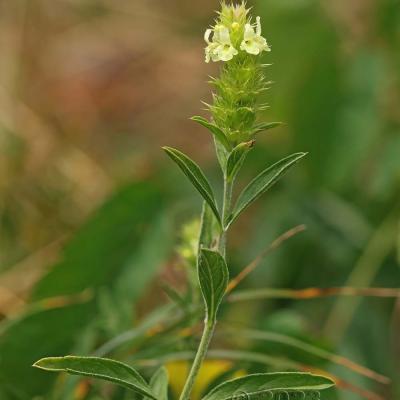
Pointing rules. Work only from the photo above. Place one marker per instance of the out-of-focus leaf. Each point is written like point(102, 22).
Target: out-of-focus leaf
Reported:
point(138, 269)
point(157, 317)
point(236, 159)
point(213, 278)
point(261, 183)
point(264, 126)
point(87, 340)
point(33, 336)
point(253, 386)
point(103, 245)
point(100, 368)
point(196, 176)
point(217, 132)
point(159, 383)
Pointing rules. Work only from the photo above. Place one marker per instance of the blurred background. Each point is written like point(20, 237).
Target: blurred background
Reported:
point(91, 210)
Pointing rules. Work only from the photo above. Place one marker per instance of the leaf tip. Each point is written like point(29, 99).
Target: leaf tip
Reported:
point(167, 149)
point(47, 364)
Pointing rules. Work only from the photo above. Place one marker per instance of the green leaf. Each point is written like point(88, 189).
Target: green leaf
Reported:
point(101, 368)
point(34, 335)
point(256, 385)
point(208, 227)
point(196, 176)
point(174, 295)
point(161, 315)
point(217, 132)
point(159, 383)
point(236, 159)
point(222, 154)
point(213, 277)
point(106, 243)
point(139, 269)
point(261, 183)
point(264, 126)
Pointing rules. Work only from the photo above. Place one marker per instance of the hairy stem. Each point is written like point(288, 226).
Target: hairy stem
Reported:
point(200, 355)
point(209, 325)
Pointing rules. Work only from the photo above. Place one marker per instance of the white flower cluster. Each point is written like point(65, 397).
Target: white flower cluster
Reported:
point(220, 48)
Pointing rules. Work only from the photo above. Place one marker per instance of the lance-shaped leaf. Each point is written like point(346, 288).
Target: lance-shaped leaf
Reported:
point(101, 368)
point(261, 183)
point(236, 159)
point(264, 126)
point(217, 132)
point(213, 277)
point(196, 176)
point(252, 387)
point(159, 383)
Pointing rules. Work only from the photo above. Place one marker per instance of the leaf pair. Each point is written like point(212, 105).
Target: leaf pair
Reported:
point(259, 185)
point(112, 371)
point(249, 387)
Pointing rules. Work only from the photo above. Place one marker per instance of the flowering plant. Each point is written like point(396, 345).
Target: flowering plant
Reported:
point(237, 42)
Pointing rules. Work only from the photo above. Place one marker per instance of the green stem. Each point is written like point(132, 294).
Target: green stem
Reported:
point(200, 355)
point(209, 326)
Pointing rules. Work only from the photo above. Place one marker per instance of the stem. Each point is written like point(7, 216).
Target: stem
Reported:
point(200, 355)
point(209, 326)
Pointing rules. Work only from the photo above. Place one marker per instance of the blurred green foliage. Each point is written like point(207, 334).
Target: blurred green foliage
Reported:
point(90, 90)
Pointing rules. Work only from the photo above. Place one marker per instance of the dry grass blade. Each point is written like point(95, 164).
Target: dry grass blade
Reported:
point(312, 293)
point(309, 348)
point(274, 245)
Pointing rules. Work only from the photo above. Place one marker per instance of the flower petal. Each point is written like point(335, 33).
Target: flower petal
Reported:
point(258, 26)
point(207, 35)
point(248, 32)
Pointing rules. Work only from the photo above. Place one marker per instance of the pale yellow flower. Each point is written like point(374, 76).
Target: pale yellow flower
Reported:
point(220, 48)
point(253, 42)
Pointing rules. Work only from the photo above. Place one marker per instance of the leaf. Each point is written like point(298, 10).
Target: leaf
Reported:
point(196, 176)
point(106, 243)
point(222, 154)
point(255, 386)
point(217, 132)
point(34, 335)
point(139, 269)
point(174, 295)
point(264, 126)
point(161, 315)
point(261, 183)
point(159, 383)
point(208, 227)
point(101, 368)
point(213, 277)
point(236, 159)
